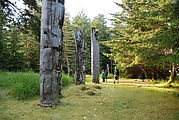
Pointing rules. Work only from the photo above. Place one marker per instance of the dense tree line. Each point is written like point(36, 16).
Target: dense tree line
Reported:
point(146, 38)
point(20, 37)
point(20, 34)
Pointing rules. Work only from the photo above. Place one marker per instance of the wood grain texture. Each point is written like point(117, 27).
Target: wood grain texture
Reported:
point(94, 57)
point(80, 57)
point(51, 51)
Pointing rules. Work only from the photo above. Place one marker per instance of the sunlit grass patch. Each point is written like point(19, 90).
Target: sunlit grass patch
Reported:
point(88, 78)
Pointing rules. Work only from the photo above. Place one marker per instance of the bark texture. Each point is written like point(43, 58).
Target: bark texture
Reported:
point(94, 57)
point(80, 57)
point(51, 51)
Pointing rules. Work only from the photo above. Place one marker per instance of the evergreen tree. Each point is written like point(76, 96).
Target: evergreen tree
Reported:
point(25, 24)
point(146, 34)
point(15, 59)
point(30, 26)
point(68, 47)
point(12, 56)
point(2, 43)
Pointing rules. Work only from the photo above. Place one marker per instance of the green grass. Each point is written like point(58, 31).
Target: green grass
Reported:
point(158, 81)
point(21, 85)
point(88, 78)
point(104, 101)
point(25, 85)
point(67, 80)
point(110, 76)
point(97, 102)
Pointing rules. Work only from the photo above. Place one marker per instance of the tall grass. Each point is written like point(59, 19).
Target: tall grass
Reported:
point(25, 85)
point(21, 85)
point(67, 80)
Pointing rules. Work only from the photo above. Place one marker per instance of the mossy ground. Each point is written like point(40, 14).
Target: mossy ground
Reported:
point(105, 101)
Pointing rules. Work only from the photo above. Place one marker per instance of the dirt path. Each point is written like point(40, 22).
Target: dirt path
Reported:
point(128, 81)
point(143, 83)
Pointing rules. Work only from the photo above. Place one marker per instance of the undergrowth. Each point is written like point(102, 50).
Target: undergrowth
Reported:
point(25, 85)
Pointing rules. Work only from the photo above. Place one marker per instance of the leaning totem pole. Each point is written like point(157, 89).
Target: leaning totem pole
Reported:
point(94, 57)
point(51, 51)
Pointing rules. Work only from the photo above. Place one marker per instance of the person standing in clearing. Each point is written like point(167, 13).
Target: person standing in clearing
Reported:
point(106, 73)
point(103, 75)
point(116, 75)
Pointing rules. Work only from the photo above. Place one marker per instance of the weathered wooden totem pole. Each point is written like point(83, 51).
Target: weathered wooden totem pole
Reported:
point(80, 57)
point(94, 57)
point(51, 51)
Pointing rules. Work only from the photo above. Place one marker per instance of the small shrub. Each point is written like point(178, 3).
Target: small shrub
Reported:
point(88, 78)
point(97, 87)
point(83, 88)
point(91, 93)
point(110, 76)
point(175, 94)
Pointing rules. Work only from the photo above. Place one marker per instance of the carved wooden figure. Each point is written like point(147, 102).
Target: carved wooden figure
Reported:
point(80, 57)
point(51, 51)
point(94, 57)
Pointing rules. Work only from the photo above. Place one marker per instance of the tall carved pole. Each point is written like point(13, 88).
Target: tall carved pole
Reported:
point(80, 57)
point(94, 57)
point(51, 51)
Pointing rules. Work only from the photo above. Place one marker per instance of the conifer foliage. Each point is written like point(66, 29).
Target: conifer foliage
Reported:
point(146, 35)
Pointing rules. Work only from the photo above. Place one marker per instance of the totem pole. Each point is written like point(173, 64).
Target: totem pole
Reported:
point(94, 57)
point(80, 57)
point(51, 51)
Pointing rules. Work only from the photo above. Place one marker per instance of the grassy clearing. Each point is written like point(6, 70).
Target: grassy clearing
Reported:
point(97, 102)
point(25, 85)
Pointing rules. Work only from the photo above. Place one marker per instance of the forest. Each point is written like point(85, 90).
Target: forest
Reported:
point(142, 42)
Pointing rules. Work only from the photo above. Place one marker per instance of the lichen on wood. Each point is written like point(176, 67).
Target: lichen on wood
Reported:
point(94, 57)
point(80, 57)
point(51, 51)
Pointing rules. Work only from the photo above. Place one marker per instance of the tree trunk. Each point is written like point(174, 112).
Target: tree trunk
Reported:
point(94, 57)
point(80, 57)
point(144, 71)
point(51, 51)
point(156, 73)
point(107, 67)
point(111, 66)
point(172, 74)
point(153, 75)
